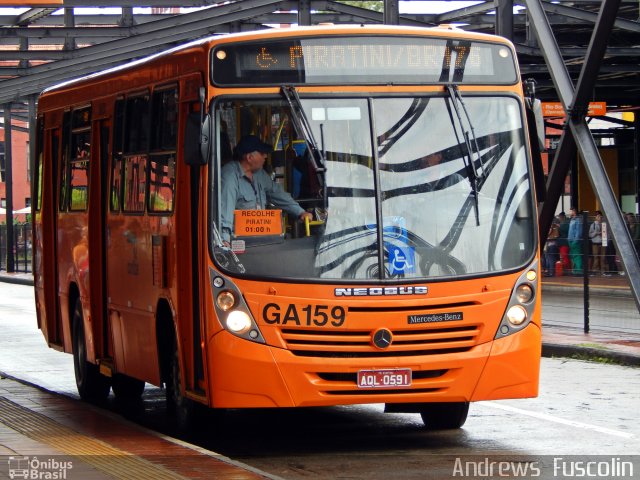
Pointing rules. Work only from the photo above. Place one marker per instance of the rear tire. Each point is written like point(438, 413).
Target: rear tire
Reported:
point(127, 388)
point(92, 385)
point(444, 416)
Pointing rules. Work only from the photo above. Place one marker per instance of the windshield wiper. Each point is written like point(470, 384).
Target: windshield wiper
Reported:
point(471, 143)
point(303, 127)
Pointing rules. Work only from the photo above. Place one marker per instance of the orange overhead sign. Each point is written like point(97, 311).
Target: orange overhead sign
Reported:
point(554, 109)
point(30, 3)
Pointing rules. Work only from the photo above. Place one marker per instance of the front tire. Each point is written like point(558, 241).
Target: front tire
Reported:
point(92, 385)
point(444, 416)
point(183, 408)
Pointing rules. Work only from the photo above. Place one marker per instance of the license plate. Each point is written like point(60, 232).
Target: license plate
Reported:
point(394, 378)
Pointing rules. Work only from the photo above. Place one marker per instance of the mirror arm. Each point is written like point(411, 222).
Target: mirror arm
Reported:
point(205, 129)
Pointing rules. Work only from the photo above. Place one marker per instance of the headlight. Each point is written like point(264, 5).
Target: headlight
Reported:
point(232, 311)
point(238, 322)
point(516, 315)
point(524, 293)
point(521, 308)
point(225, 301)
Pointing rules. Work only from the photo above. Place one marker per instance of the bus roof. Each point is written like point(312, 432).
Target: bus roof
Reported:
point(354, 29)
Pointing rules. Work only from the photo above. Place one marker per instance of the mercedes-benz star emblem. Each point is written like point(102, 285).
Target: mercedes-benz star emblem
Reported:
point(382, 338)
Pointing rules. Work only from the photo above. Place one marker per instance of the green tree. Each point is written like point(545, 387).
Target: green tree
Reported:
point(377, 6)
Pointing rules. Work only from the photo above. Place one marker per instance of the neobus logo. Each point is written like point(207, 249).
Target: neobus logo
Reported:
point(379, 291)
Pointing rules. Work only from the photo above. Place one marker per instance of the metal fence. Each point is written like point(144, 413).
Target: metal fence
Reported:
point(22, 250)
point(586, 287)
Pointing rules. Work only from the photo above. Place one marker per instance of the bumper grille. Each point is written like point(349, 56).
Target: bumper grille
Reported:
point(357, 344)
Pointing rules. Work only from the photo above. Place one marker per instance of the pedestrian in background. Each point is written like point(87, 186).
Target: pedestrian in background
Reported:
point(575, 241)
point(563, 242)
point(597, 252)
point(551, 252)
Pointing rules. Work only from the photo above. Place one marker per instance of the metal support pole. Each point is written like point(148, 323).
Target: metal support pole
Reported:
point(32, 145)
point(69, 22)
point(391, 14)
point(126, 17)
point(585, 267)
point(304, 12)
point(636, 159)
point(24, 47)
point(9, 186)
point(504, 18)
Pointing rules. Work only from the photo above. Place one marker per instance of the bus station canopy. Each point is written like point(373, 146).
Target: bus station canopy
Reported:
point(47, 42)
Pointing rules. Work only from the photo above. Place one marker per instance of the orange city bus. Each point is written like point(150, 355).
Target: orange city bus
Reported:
point(416, 283)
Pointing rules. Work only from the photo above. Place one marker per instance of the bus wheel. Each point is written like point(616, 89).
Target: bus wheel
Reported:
point(178, 405)
point(92, 385)
point(444, 416)
point(127, 388)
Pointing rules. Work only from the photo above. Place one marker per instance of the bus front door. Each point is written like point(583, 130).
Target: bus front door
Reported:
point(46, 275)
point(97, 237)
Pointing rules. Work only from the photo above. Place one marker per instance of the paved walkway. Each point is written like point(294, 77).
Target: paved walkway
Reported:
point(54, 436)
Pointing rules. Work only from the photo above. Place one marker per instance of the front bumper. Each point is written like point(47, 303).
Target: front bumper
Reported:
point(244, 374)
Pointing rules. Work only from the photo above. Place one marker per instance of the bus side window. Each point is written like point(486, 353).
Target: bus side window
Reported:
point(80, 159)
point(63, 199)
point(135, 180)
point(164, 129)
point(115, 197)
point(136, 145)
point(37, 183)
point(136, 133)
point(162, 158)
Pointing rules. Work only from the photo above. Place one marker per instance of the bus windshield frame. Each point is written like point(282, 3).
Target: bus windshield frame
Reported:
point(431, 165)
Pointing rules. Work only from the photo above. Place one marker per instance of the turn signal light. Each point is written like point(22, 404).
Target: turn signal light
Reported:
point(226, 300)
point(524, 293)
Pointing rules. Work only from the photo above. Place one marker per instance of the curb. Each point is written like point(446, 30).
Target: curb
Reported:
point(579, 290)
point(587, 353)
point(8, 278)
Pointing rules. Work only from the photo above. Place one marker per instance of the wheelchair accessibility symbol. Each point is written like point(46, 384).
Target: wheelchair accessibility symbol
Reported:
point(401, 260)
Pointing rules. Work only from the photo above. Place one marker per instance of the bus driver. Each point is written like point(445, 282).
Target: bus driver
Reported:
point(246, 186)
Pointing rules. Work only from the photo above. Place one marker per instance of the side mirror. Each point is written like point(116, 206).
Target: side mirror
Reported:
point(205, 139)
point(193, 155)
point(535, 123)
point(540, 130)
point(197, 144)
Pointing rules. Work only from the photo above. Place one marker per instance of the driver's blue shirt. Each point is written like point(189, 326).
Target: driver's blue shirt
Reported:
point(241, 193)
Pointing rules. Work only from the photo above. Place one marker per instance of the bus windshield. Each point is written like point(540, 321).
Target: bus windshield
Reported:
point(402, 192)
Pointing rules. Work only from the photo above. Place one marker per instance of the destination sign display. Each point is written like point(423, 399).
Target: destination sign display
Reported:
point(370, 60)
